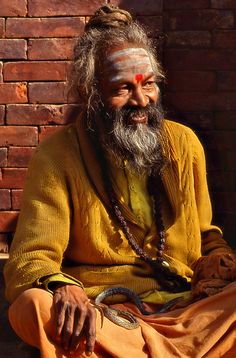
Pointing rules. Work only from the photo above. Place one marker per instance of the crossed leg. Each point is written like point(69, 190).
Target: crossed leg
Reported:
point(203, 329)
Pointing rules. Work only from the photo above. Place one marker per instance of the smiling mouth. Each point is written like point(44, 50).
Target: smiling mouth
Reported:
point(137, 119)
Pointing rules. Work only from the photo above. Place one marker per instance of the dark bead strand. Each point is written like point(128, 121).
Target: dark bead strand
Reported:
point(124, 225)
point(152, 188)
point(167, 279)
point(154, 185)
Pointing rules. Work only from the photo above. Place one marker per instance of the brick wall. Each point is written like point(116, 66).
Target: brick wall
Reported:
point(200, 59)
point(198, 49)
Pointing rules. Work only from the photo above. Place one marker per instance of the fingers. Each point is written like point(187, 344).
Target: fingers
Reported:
point(60, 308)
point(73, 327)
point(75, 319)
point(67, 330)
point(87, 330)
point(90, 333)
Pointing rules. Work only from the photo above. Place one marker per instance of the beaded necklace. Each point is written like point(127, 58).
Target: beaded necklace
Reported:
point(167, 279)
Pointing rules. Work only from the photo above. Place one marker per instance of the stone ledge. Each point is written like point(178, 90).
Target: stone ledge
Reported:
point(4, 256)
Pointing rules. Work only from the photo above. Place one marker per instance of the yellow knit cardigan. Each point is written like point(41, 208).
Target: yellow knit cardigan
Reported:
point(65, 216)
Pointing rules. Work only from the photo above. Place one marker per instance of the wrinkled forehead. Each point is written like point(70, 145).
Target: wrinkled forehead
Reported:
point(128, 62)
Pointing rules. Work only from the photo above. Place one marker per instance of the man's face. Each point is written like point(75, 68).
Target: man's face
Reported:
point(129, 115)
point(128, 81)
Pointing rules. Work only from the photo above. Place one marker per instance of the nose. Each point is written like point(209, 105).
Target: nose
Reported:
point(138, 98)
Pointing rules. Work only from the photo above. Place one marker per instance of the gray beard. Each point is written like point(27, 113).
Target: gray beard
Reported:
point(139, 145)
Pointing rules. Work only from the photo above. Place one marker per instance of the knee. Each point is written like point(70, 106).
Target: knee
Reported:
point(30, 304)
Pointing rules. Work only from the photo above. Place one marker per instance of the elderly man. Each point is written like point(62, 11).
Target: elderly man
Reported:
point(119, 199)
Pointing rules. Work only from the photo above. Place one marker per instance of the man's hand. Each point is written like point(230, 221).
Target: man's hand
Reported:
point(75, 318)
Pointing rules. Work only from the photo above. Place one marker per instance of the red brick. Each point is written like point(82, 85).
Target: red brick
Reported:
point(46, 131)
point(60, 8)
point(208, 101)
point(203, 81)
point(226, 201)
point(2, 114)
point(198, 120)
point(225, 120)
point(47, 27)
point(227, 80)
point(13, 178)
point(18, 135)
point(13, 8)
point(199, 20)
point(36, 114)
point(5, 199)
point(230, 163)
point(152, 24)
point(200, 59)
point(228, 220)
point(20, 156)
point(3, 157)
point(13, 49)
point(36, 71)
point(225, 39)
point(188, 39)
point(219, 141)
point(2, 27)
point(48, 92)
point(16, 199)
point(8, 220)
point(147, 7)
point(185, 4)
point(223, 4)
point(13, 93)
point(222, 161)
point(51, 49)
point(218, 181)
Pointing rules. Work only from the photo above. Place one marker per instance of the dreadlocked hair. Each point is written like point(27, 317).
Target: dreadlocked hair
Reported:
point(108, 27)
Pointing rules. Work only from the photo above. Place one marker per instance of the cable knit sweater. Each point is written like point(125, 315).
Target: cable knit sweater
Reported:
point(66, 217)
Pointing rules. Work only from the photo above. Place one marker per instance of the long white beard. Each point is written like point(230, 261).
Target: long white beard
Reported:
point(140, 145)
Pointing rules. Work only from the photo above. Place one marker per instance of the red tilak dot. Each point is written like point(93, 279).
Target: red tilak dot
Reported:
point(139, 77)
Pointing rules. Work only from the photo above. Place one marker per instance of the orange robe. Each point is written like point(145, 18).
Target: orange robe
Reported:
point(203, 329)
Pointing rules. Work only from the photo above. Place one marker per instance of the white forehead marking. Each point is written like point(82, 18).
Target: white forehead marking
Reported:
point(127, 51)
point(137, 61)
point(129, 61)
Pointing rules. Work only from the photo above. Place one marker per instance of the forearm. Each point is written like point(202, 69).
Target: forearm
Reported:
point(51, 282)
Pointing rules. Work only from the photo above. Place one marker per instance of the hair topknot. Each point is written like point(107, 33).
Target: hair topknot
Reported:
point(110, 27)
point(109, 16)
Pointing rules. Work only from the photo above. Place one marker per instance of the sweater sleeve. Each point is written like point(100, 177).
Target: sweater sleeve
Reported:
point(43, 228)
point(212, 240)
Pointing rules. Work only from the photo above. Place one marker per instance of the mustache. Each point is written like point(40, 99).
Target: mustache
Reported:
point(152, 111)
point(141, 145)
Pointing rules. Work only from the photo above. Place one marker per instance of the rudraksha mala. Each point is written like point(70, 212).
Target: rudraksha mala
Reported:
point(167, 279)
